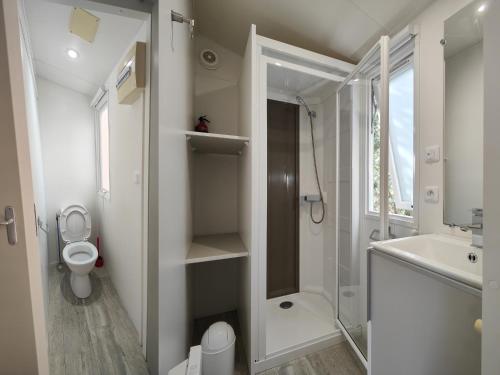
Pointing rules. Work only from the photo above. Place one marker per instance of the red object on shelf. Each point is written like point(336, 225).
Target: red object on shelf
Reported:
point(202, 126)
point(99, 261)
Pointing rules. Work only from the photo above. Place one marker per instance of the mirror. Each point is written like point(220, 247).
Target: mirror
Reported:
point(463, 114)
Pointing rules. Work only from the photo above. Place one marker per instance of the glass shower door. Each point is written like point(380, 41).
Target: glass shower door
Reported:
point(362, 114)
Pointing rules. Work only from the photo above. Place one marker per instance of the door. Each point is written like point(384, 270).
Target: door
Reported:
point(361, 188)
point(282, 198)
point(22, 316)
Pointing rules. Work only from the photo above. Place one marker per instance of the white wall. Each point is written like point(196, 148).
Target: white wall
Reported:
point(30, 91)
point(226, 75)
point(431, 107)
point(215, 287)
point(67, 130)
point(120, 216)
point(310, 234)
point(491, 261)
point(175, 114)
point(215, 176)
point(464, 134)
point(215, 180)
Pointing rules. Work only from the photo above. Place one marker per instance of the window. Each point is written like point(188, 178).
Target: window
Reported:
point(102, 118)
point(401, 142)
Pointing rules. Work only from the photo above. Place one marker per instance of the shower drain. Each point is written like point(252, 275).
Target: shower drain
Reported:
point(286, 305)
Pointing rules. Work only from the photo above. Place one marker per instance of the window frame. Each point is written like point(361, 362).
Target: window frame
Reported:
point(103, 101)
point(409, 221)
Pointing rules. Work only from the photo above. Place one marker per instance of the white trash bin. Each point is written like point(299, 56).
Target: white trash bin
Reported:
point(217, 348)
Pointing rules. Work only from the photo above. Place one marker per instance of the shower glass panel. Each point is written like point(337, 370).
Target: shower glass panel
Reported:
point(358, 191)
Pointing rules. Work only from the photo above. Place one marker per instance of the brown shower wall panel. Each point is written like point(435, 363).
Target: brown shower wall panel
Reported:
point(282, 198)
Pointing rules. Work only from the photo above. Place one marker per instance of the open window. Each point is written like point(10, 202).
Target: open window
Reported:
point(401, 142)
point(102, 146)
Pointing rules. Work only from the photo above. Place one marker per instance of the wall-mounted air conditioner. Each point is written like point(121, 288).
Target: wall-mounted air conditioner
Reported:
point(131, 80)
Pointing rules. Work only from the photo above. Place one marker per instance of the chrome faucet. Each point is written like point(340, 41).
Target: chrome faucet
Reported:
point(477, 227)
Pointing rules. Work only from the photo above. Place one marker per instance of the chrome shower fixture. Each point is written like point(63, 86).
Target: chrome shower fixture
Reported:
point(319, 198)
point(301, 101)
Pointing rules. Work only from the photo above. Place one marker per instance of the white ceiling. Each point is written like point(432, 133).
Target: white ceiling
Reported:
point(291, 83)
point(50, 38)
point(338, 28)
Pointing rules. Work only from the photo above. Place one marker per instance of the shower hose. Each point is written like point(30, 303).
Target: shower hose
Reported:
point(317, 177)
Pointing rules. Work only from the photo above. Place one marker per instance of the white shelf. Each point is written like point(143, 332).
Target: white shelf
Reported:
point(216, 247)
point(210, 143)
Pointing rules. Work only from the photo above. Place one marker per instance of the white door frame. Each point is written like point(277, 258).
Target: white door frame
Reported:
point(128, 10)
point(263, 59)
point(132, 9)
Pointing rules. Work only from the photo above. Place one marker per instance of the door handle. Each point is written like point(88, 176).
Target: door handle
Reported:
point(7, 222)
point(10, 224)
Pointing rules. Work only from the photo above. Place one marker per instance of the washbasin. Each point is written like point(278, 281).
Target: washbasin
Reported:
point(447, 255)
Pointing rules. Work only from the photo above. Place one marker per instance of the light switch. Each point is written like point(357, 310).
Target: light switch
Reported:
point(432, 194)
point(432, 154)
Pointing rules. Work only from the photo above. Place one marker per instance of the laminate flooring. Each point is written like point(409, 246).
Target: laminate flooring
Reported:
point(335, 360)
point(92, 336)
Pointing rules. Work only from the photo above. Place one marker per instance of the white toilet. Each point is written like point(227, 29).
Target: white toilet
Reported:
point(79, 254)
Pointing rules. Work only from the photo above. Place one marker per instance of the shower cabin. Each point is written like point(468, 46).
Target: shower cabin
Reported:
point(311, 121)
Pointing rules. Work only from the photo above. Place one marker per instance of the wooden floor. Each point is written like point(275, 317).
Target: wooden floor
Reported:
point(92, 336)
point(336, 360)
point(95, 336)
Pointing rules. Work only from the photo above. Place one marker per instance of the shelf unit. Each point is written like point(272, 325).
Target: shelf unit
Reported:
point(211, 143)
point(216, 247)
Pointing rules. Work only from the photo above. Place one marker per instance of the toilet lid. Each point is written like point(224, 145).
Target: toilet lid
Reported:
point(74, 223)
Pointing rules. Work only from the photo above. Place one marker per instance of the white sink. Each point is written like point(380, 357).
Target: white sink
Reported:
point(440, 253)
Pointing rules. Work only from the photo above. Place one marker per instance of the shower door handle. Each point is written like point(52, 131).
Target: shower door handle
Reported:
point(10, 224)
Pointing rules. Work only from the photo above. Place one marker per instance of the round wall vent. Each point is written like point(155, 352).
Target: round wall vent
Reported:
point(209, 58)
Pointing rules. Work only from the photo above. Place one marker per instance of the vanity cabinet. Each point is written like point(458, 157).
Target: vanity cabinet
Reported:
point(422, 323)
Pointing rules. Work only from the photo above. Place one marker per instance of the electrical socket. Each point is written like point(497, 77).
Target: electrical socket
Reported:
point(432, 194)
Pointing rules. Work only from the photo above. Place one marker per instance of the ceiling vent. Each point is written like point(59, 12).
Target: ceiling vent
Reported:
point(83, 24)
point(209, 59)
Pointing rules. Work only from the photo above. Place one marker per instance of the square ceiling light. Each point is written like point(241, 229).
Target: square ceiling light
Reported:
point(83, 24)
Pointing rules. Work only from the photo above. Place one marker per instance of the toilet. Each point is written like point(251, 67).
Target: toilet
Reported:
point(79, 254)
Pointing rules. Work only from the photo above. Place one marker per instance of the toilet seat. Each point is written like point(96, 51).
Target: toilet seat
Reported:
point(75, 224)
point(80, 253)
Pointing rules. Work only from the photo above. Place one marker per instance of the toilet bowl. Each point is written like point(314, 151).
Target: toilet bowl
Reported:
point(80, 258)
point(79, 254)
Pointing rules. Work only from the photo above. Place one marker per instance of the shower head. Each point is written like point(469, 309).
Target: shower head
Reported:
point(301, 101)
